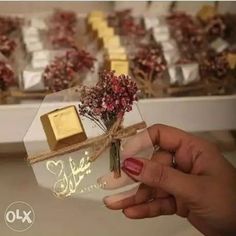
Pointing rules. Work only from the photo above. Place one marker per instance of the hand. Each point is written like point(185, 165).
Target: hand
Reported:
point(201, 186)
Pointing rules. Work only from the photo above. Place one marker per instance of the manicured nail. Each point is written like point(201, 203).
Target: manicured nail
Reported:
point(132, 166)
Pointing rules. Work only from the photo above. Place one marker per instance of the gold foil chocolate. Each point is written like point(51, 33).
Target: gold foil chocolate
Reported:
point(119, 66)
point(117, 56)
point(104, 32)
point(111, 42)
point(63, 127)
point(96, 14)
point(207, 12)
point(231, 58)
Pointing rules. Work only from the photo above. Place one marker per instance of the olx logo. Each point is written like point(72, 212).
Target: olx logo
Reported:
point(19, 216)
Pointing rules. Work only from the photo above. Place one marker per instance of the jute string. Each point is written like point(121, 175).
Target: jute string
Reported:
point(102, 141)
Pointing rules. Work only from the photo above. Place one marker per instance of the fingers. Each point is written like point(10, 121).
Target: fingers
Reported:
point(130, 198)
point(162, 206)
point(108, 182)
point(157, 175)
point(170, 139)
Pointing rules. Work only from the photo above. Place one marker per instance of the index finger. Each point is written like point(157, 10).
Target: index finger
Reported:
point(166, 137)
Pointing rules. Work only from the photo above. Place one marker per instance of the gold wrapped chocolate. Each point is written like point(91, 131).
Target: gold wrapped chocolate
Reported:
point(231, 58)
point(119, 66)
point(111, 42)
point(207, 12)
point(117, 56)
point(116, 50)
point(63, 127)
point(96, 14)
point(105, 32)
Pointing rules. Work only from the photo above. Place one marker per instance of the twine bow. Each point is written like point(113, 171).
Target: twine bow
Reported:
point(102, 141)
point(145, 83)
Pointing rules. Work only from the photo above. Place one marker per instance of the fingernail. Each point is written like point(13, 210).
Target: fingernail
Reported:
point(132, 166)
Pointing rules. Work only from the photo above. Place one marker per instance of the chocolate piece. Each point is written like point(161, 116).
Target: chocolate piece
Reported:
point(63, 127)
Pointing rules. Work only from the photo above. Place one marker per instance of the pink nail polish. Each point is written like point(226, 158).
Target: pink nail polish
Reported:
point(132, 166)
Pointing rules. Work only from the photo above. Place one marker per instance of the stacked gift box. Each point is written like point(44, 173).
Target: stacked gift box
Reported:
point(173, 55)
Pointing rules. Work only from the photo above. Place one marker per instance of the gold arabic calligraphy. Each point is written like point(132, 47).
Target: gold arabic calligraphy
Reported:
point(67, 184)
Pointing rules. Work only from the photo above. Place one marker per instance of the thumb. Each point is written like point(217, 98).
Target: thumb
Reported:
point(167, 178)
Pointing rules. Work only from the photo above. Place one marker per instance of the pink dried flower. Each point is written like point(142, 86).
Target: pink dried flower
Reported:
point(109, 99)
point(214, 65)
point(216, 27)
point(64, 70)
point(62, 29)
point(80, 59)
point(58, 75)
point(64, 17)
point(8, 24)
point(7, 45)
point(128, 26)
point(179, 19)
point(150, 59)
point(7, 77)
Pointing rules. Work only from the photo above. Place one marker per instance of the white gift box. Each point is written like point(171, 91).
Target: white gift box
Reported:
point(41, 63)
point(36, 46)
point(169, 45)
point(190, 73)
point(175, 74)
point(161, 33)
point(184, 74)
point(32, 80)
point(151, 22)
point(219, 45)
point(40, 59)
point(31, 39)
point(38, 23)
point(171, 56)
point(28, 31)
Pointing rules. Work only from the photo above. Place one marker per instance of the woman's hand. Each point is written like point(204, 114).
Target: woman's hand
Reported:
point(201, 185)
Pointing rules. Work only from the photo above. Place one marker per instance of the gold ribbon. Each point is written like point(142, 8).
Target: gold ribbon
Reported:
point(102, 141)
